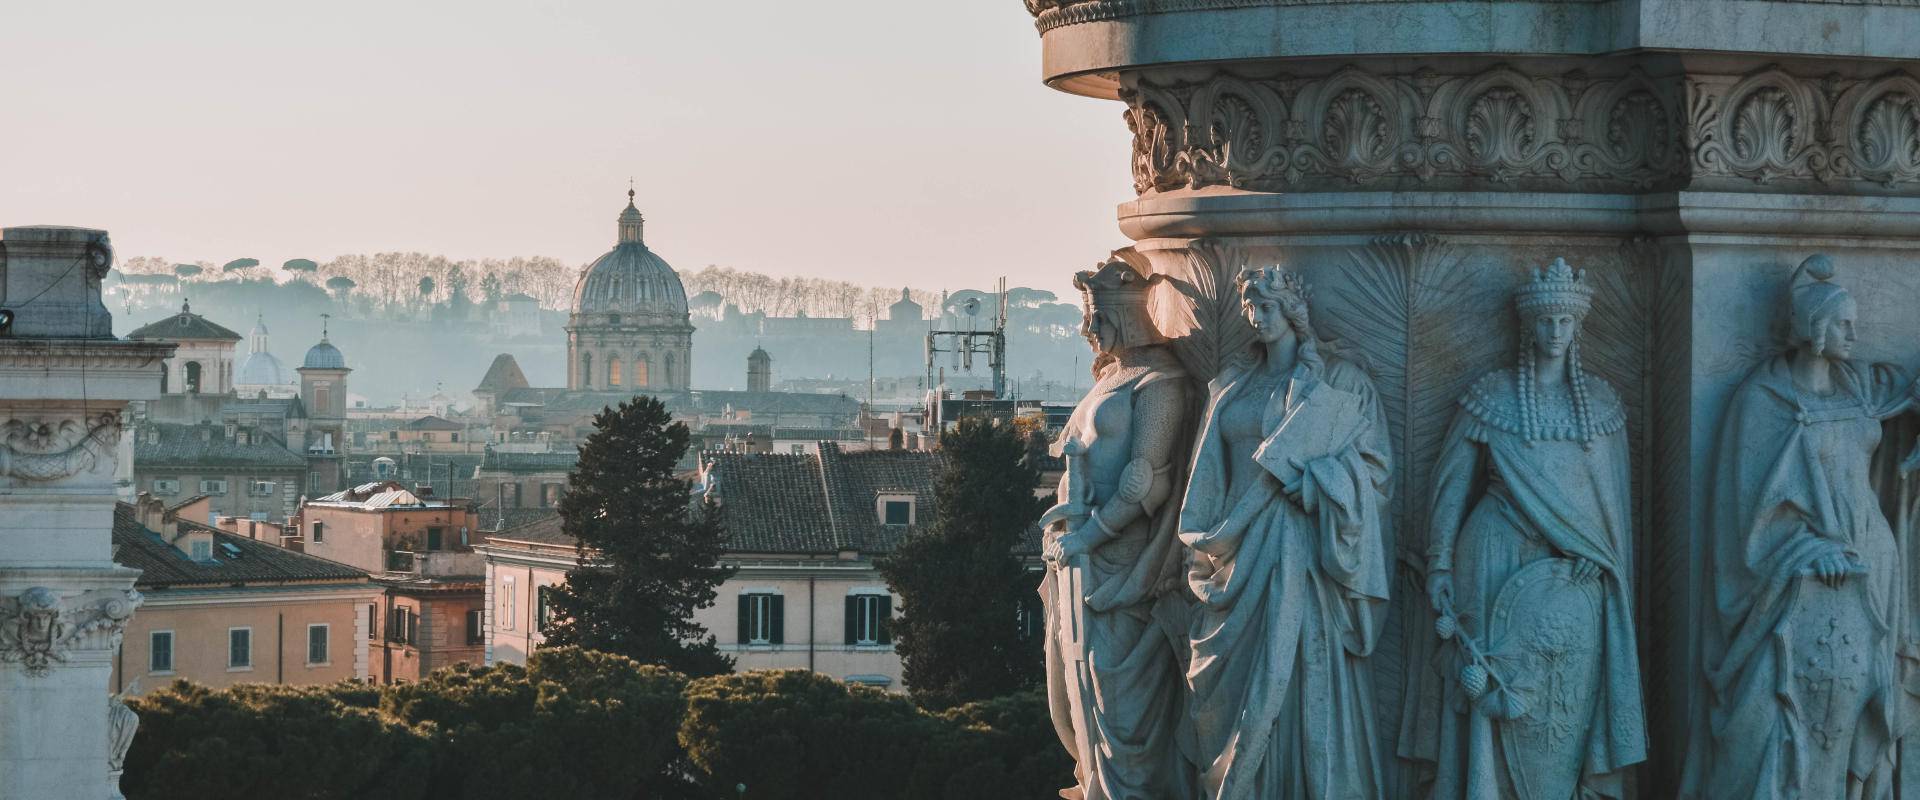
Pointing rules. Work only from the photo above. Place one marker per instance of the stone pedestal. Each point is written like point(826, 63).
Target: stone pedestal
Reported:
point(64, 382)
point(1416, 158)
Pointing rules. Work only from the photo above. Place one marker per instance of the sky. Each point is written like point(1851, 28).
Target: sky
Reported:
point(877, 141)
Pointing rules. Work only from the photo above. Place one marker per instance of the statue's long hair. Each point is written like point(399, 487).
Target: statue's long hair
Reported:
point(1576, 384)
point(1287, 288)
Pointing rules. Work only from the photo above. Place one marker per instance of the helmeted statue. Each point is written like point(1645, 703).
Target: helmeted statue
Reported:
point(1529, 573)
point(1283, 515)
point(1807, 591)
point(1113, 671)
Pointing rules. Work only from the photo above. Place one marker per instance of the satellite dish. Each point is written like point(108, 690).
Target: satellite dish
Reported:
point(971, 306)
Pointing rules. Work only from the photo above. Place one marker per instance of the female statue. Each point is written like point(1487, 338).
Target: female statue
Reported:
point(1289, 563)
point(1529, 570)
point(1807, 586)
point(1113, 675)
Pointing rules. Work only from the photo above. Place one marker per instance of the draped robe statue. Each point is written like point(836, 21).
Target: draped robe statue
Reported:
point(1809, 591)
point(1530, 567)
point(1289, 566)
point(1113, 666)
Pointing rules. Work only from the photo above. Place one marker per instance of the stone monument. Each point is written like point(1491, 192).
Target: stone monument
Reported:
point(1416, 161)
point(64, 382)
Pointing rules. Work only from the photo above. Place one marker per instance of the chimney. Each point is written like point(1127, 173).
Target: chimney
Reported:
point(206, 431)
point(232, 428)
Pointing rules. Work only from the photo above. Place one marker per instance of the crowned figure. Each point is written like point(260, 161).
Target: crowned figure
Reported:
point(1115, 636)
point(1529, 575)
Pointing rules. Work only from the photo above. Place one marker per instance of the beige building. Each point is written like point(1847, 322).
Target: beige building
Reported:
point(223, 609)
point(243, 470)
point(803, 531)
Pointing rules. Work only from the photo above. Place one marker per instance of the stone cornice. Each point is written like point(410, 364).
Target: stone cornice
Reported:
point(76, 353)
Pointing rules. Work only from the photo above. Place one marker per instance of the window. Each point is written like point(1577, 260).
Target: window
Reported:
point(262, 488)
point(200, 549)
point(586, 370)
point(160, 653)
point(897, 512)
point(762, 618)
point(213, 487)
point(317, 644)
point(239, 648)
point(542, 609)
point(404, 626)
point(321, 395)
point(435, 538)
point(166, 485)
point(869, 619)
point(193, 377)
point(505, 605)
point(476, 628)
point(453, 437)
point(393, 436)
point(426, 437)
point(373, 621)
point(613, 371)
point(640, 371)
point(798, 449)
point(319, 531)
point(550, 494)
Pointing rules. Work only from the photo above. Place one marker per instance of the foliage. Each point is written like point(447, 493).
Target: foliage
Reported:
point(798, 734)
point(300, 265)
point(576, 723)
point(960, 584)
point(240, 264)
point(256, 740)
point(649, 561)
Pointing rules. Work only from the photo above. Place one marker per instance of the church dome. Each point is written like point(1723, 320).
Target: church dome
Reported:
point(630, 279)
point(263, 369)
point(324, 356)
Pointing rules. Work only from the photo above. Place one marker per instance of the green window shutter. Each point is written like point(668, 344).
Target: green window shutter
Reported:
point(886, 618)
point(853, 618)
point(779, 626)
point(746, 620)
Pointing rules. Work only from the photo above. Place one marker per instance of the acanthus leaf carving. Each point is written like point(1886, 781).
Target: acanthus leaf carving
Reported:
point(39, 627)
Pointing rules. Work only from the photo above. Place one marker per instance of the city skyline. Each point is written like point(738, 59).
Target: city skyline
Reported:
point(218, 131)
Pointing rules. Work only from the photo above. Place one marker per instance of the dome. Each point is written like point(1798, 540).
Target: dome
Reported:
point(630, 279)
point(324, 356)
point(263, 369)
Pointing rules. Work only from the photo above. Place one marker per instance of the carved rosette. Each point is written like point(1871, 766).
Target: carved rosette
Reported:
point(40, 627)
point(1507, 129)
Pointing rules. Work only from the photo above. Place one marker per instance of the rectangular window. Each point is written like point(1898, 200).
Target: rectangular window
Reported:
point(504, 605)
point(160, 652)
point(435, 538)
point(454, 437)
point(166, 485)
point(899, 512)
point(869, 619)
point(542, 609)
point(262, 488)
point(213, 487)
point(201, 549)
point(317, 643)
point(239, 648)
point(319, 532)
point(413, 626)
point(426, 437)
point(762, 619)
point(476, 627)
point(373, 621)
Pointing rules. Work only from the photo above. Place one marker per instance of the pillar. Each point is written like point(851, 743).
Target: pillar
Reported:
point(64, 384)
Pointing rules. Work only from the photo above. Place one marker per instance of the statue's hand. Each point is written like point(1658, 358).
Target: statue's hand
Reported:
point(1440, 591)
point(1833, 568)
point(1585, 570)
point(1063, 548)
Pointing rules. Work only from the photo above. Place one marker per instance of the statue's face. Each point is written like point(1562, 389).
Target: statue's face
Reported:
point(1099, 332)
point(1839, 330)
point(1268, 320)
point(1553, 334)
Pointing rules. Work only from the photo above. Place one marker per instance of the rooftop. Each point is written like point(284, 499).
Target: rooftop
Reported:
point(236, 559)
point(184, 326)
point(172, 444)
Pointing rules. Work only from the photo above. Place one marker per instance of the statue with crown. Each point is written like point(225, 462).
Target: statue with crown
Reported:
point(1535, 689)
point(1115, 621)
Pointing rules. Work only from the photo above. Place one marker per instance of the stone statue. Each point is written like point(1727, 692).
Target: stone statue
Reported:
point(121, 724)
point(1528, 570)
point(1113, 672)
point(1283, 514)
point(1807, 585)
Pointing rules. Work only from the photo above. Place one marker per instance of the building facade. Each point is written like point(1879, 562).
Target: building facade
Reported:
point(244, 471)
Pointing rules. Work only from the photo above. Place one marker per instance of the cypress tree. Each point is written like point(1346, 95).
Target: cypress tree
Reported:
point(961, 586)
point(648, 557)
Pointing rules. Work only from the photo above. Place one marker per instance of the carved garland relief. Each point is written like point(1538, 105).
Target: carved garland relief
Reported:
point(1511, 129)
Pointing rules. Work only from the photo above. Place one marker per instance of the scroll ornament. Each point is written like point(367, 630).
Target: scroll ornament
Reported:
point(38, 628)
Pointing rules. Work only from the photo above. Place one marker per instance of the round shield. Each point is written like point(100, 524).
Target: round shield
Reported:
point(1546, 640)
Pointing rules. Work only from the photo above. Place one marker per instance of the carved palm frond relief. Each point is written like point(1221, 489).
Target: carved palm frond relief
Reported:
point(1200, 308)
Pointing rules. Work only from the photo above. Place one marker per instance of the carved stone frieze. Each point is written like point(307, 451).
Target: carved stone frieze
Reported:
point(1508, 129)
point(39, 627)
point(49, 449)
point(1050, 14)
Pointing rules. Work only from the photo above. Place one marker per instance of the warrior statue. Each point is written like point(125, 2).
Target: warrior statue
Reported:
point(1283, 515)
point(1529, 573)
point(1113, 673)
point(1808, 591)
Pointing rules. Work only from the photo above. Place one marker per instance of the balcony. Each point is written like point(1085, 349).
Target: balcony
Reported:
point(404, 561)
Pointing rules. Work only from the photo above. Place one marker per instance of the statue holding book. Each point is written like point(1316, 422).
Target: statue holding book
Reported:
point(1529, 575)
point(1289, 565)
point(1115, 617)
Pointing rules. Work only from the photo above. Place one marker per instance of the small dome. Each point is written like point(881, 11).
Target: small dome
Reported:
point(630, 279)
point(324, 356)
point(759, 354)
point(263, 369)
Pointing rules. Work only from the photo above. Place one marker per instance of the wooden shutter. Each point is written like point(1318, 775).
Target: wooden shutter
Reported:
point(853, 619)
point(886, 618)
point(779, 626)
point(745, 634)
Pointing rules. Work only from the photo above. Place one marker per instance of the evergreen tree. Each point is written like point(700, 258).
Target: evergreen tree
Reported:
point(960, 584)
point(648, 559)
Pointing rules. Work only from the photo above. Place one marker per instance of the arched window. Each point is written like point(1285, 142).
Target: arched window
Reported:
point(586, 370)
point(163, 379)
point(193, 377)
point(640, 372)
point(613, 371)
point(668, 377)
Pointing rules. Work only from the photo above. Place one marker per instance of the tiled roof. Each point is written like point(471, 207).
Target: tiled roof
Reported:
point(826, 503)
point(184, 325)
point(857, 479)
point(503, 376)
point(206, 445)
point(493, 521)
point(236, 559)
point(280, 407)
point(435, 423)
point(715, 401)
point(543, 529)
point(563, 461)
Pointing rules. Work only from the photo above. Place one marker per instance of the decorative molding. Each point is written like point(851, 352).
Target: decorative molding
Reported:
point(41, 449)
point(1504, 128)
point(39, 628)
point(76, 354)
point(1050, 14)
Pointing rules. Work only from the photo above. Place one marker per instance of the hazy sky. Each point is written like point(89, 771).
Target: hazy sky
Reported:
point(877, 141)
